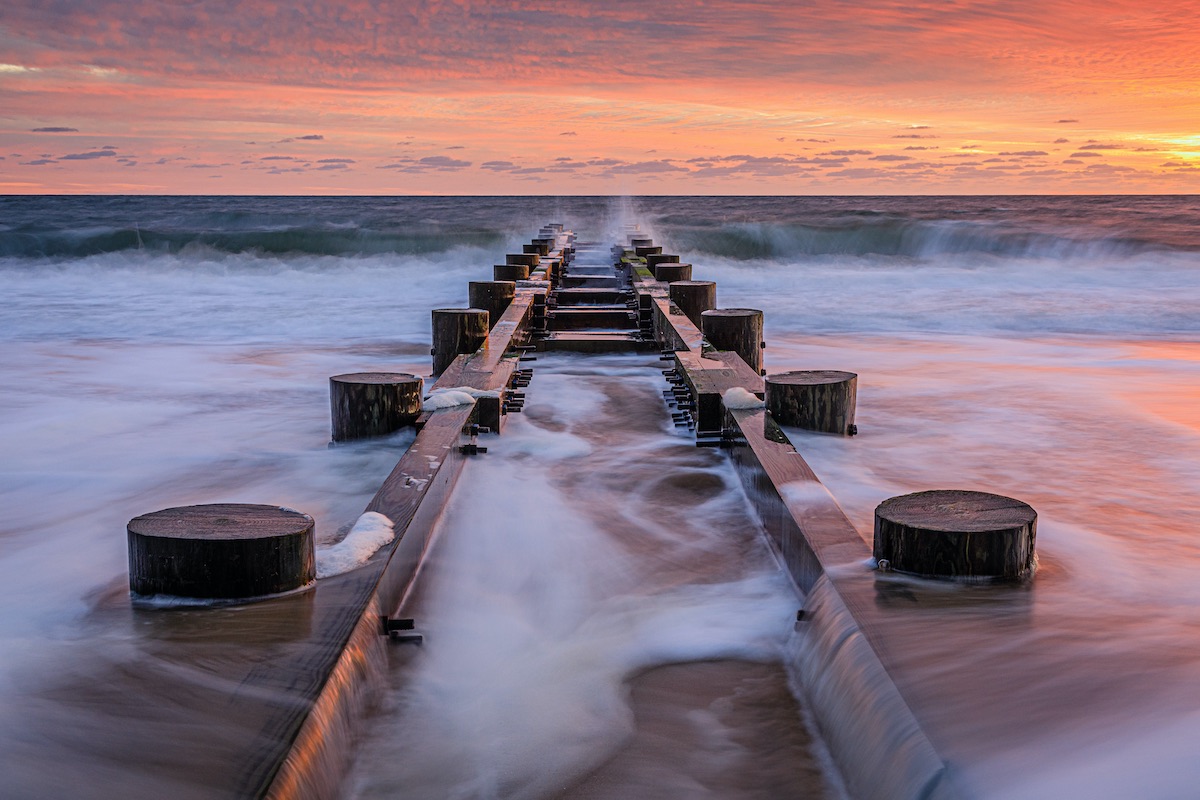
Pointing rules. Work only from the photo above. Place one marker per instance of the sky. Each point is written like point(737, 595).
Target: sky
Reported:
point(599, 97)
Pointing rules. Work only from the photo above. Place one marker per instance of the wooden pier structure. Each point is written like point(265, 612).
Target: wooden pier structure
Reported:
point(305, 697)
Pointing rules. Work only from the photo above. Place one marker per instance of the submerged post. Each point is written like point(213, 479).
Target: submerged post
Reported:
point(492, 296)
point(456, 331)
point(956, 534)
point(225, 551)
point(693, 298)
point(737, 329)
point(364, 404)
point(816, 400)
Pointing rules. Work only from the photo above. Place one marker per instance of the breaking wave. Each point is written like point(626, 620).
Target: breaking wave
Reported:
point(897, 237)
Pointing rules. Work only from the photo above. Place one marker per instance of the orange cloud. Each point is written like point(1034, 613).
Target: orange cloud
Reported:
point(730, 96)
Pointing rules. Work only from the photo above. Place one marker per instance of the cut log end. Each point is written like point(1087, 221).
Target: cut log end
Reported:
point(670, 272)
point(226, 551)
point(956, 534)
point(457, 331)
point(693, 298)
point(366, 404)
point(737, 330)
point(815, 400)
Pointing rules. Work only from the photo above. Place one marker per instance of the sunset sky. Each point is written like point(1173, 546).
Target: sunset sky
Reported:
point(604, 97)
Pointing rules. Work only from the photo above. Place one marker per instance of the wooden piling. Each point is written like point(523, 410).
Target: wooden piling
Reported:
point(693, 298)
point(955, 534)
point(816, 400)
point(528, 259)
point(646, 250)
point(654, 259)
point(739, 330)
point(671, 272)
point(227, 551)
point(456, 331)
point(492, 296)
point(510, 272)
point(365, 404)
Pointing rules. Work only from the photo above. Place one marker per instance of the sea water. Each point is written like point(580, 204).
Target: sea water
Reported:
point(166, 351)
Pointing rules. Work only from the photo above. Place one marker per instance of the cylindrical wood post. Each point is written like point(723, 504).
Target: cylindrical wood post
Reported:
point(647, 250)
point(492, 296)
point(816, 400)
point(456, 331)
point(957, 534)
point(693, 298)
point(669, 273)
point(510, 272)
point(654, 259)
point(364, 404)
point(737, 329)
point(528, 259)
point(224, 551)
point(640, 241)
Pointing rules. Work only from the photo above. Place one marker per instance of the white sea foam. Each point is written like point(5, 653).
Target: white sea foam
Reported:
point(371, 532)
point(449, 397)
point(538, 616)
point(738, 398)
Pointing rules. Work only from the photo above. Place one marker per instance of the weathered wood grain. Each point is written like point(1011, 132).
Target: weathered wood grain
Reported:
point(365, 404)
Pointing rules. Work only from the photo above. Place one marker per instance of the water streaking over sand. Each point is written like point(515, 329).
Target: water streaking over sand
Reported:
point(594, 543)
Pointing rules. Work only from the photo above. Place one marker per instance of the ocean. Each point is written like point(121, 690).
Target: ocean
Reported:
point(162, 351)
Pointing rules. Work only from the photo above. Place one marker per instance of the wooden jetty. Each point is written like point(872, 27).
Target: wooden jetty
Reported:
point(587, 297)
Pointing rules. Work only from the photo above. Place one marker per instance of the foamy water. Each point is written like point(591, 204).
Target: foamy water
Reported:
point(594, 542)
point(1043, 348)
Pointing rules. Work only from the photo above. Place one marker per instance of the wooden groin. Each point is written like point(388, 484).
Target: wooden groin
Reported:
point(306, 700)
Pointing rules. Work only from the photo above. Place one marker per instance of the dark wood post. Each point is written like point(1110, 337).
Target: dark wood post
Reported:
point(654, 259)
point(646, 250)
point(640, 241)
point(693, 298)
point(364, 404)
point(553, 270)
point(528, 259)
point(816, 400)
point(669, 273)
point(456, 331)
point(736, 329)
point(223, 551)
point(510, 272)
point(957, 534)
point(492, 296)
